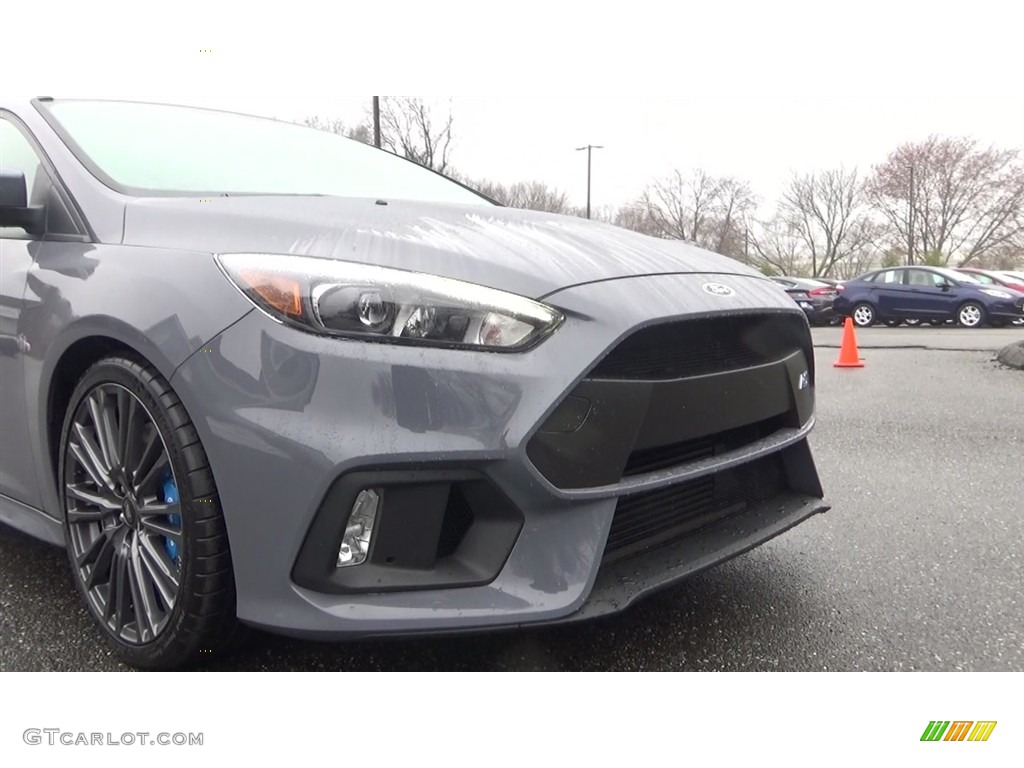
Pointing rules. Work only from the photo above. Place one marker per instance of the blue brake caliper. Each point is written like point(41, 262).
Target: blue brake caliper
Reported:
point(170, 491)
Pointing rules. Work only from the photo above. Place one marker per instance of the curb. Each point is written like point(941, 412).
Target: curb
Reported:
point(1012, 355)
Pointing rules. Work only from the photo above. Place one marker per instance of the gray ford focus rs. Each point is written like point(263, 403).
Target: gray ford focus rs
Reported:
point(254, 373)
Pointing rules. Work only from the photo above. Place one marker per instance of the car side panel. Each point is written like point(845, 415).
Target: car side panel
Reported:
point(890, 299)
point(931, 301)
point(17, 471)
point(163, 304)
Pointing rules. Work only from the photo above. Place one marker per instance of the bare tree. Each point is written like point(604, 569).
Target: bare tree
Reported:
point(699, 208)
point(1008, 255)
point(730, 218)
point(361, 132)
point(857, 262)
point(778, 247)
point(538, 196)
point(968, 200)
point(530, 195)
point(636, 216)
point(679, 205)
point(827, 211)
point(408, 128)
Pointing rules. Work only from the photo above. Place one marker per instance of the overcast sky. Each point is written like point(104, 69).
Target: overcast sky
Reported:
point(770, 88)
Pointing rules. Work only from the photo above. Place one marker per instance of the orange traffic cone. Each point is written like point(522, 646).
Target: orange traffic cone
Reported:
point(849, 356)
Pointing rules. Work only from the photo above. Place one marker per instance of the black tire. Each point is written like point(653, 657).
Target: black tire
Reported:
point(997, 323)
point(864, 315)
point(198, 620)
point(893, 323)
point(936, 323)
point(971, 314)
point(913, 322)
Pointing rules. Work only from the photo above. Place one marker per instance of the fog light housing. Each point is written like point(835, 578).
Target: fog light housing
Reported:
point(355, 544)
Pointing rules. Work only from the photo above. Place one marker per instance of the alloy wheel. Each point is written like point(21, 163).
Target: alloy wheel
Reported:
point(970, 315)
point(123, 514)
point(863, 315)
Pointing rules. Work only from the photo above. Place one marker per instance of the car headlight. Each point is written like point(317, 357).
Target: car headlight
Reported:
point(360, 301)
point(996, 294)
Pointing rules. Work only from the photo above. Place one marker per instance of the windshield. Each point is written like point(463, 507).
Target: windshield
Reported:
point(167, 150)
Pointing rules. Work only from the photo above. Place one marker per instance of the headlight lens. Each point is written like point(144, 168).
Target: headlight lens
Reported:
point(996, 294)
point(340, 298)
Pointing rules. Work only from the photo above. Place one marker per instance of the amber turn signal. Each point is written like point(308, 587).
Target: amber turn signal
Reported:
point(280, 292)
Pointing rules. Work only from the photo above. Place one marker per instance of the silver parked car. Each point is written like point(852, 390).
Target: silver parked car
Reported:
point(255, 372)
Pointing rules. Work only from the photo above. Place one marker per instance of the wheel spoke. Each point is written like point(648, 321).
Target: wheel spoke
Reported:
point(132, 430)
point(160, 527)
point(143, 599)
point(122, 602)
point(93, 551)
point(100, 572)
point(159, 509)
point(148, 464)
point(162, 572)
point(106, 429)
point(125, 413)
point(89, 457)
point(96, 499)
point(89, 515)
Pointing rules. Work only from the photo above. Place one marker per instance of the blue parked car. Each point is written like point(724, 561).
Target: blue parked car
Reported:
point(926, 294)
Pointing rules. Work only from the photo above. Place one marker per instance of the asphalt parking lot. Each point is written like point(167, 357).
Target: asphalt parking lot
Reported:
point(918, 566)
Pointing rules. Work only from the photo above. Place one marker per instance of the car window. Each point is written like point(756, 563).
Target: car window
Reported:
point(160, 149)
point(983, 278)
point(890, 277)
point(920, 277)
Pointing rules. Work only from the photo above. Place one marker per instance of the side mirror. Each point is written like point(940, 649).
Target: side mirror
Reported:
point(14, 208)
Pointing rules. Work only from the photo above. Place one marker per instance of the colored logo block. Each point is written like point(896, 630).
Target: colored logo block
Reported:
point(958, 730)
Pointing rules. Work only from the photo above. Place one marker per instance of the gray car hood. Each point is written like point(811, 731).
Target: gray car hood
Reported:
point(525, 252)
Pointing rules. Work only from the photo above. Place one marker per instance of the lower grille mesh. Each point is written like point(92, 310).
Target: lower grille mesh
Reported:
point(665, 456)
point(666, 515)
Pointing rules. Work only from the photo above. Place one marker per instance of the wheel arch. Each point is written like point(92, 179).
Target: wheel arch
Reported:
point(83, 345)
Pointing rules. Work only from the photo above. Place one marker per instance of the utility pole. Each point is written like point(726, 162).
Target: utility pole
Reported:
point(376, 121)
point(910, 221)
point(589, 147)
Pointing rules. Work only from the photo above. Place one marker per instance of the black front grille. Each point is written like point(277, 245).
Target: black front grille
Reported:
point(703, 345)
point(666, 515)
point(665, 456)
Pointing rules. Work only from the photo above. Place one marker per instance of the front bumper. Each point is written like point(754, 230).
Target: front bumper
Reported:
point(1006, 309)
point(286, 417)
